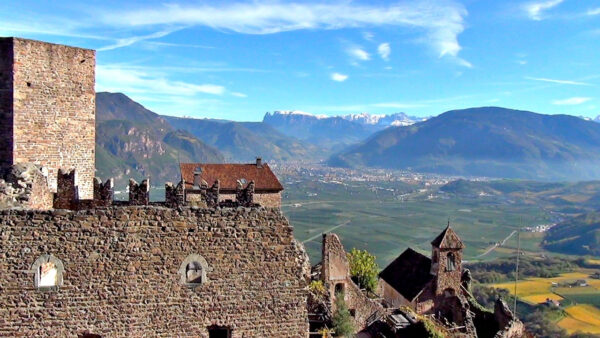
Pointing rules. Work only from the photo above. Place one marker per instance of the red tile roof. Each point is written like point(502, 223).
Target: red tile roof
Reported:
point(228, 175)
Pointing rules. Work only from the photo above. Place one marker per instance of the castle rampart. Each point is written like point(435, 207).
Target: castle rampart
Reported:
point(123, 272)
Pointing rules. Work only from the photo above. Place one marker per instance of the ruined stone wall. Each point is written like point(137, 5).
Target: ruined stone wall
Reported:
point(272, 200)
point(54, 109)
point(121, 273)
point(336, 271)
point(360, 304)
point(6, 96)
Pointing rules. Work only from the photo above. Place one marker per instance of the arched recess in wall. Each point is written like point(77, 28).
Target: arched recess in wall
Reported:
point(48, 271)
point(451, 262)
point(193, 271)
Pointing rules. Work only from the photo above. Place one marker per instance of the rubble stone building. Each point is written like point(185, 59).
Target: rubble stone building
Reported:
point(334, 272)
point(232, 178)
point(47, 108)
point(76, 263)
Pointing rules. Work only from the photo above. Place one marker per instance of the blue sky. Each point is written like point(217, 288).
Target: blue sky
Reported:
point(238, 60)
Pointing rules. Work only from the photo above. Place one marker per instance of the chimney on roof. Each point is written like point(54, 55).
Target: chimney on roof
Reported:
point(197, 177)
point(259, 162)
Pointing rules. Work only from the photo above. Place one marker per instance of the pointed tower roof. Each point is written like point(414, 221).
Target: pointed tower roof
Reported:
point(448, 239)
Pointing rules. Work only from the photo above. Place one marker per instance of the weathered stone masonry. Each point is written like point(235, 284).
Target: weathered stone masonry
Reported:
point(47, 108)
point(121, 272)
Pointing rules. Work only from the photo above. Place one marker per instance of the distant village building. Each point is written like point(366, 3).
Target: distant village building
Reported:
point(231, 179)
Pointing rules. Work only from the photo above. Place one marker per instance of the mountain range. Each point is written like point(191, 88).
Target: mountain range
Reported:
point(133, 141)
point(244, 141)
point(487, 141)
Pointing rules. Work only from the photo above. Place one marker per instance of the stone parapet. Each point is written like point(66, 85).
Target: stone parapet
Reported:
point(139, 194)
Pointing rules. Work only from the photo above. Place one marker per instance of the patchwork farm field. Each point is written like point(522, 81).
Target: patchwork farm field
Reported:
point(581, 318)
point(581, 303)
point(385, 218)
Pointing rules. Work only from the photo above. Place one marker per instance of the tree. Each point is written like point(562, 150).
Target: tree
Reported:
point(342, 320)
point(363, 268)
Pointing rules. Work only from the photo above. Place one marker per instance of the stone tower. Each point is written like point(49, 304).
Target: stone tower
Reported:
point(446, 262)
point(47, 108)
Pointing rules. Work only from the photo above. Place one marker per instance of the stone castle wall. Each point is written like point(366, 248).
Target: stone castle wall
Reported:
point(6, 96)
point(52, 98)
point(121, 275)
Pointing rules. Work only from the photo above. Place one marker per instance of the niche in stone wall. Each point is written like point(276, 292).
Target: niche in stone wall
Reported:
point(48, 272)
point(451, 262)
point(193, 271)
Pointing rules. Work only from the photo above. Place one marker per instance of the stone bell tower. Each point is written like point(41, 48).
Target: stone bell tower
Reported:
point(446, 262)
point(47, 109)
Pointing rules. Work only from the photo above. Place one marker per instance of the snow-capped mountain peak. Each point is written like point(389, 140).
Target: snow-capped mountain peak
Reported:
point(298, 112)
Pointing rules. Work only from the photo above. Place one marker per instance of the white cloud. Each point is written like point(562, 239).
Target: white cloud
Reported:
point(535, 9)
point(131, 40)
point(595, 11)
point(358, 53)
point(441, 22)
point(368, 36)
point(522, 62)
point(339, 77)
point(384, 51)
point(238, 94)
point(572, 101)
point(464, 62)
point(567, 82)
point(120, 78)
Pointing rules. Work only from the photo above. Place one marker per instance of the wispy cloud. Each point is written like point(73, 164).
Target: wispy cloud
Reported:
point(572, 101)
point(594, 11)
point(134, 39)
point(464, 63)
point(384, 51)
point(441, 22)
point(51, 26)
point(123, 79)
point(238, 94)
point(565, 82)
point(535, 10)
point(183, 45)
point(358, 53)
point(339, 77)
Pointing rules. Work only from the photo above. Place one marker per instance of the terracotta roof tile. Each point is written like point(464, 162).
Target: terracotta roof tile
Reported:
point(228, 174)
